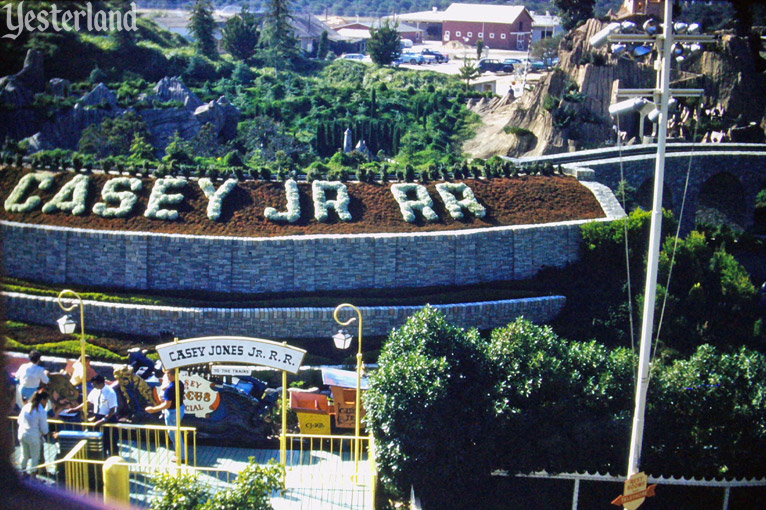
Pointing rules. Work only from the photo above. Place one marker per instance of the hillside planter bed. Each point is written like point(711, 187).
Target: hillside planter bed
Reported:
point(523, 200)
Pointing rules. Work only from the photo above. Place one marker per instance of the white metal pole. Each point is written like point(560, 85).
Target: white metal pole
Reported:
point(654, 251)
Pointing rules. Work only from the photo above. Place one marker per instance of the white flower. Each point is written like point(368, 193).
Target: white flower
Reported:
point(43, 180)
point(71, 197)
point(159, 198)
point(321, 204)
point(125, 199)
point(215, 198)
point(424, 204)
point(293, 212)
point(449, 191)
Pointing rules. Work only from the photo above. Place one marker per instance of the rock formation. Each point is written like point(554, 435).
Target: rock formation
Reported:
point(569, 106)
point(173, 89)
point(63, 127)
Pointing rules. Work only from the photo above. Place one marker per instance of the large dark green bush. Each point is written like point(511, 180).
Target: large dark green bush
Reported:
point(560, 405)
point(428, 406)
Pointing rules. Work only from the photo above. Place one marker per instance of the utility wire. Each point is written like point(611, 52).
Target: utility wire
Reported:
point(627, 249)
point(677, 237)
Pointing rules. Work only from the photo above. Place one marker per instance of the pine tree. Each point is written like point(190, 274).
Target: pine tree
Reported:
point(279, 45)
point(202, 26)
point(323, 45)
point(384, 44)
point(574, 12)
point(240, 35)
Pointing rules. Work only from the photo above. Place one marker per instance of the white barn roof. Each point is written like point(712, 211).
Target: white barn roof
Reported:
point(433, 16)
point(483, 13)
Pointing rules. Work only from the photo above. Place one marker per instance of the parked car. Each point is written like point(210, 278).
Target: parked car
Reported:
point(412, 58)
point(513, 61)
point(440, 57)
point(406, 43)
point(494, 65)
point(352, 56)
point(429, 59)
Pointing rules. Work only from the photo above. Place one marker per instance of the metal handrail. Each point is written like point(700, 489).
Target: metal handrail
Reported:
point(145, 434)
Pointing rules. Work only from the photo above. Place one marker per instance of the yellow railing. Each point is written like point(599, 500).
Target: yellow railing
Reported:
point(77, 469)
point(307, 449)
point(148, 443)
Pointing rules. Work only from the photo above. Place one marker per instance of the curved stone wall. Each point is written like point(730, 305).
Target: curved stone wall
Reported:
point(271, 323)
point(154, 262)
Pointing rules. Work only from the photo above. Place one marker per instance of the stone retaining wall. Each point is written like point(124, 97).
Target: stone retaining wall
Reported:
point(154, 262)
point(269, 323)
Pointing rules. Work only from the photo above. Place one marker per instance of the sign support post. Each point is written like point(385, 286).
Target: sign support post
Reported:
point(283, 435)
point(177, 384)
point(232, 349)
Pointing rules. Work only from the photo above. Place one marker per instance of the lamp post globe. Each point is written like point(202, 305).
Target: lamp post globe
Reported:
point(66, 325)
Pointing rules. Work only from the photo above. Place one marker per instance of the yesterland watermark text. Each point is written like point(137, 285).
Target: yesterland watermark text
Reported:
point(67, 19)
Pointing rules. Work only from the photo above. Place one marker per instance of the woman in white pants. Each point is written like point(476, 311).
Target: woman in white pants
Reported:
point(33, 425)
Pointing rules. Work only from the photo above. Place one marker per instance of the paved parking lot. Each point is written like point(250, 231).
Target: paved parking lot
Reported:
point(504, 81)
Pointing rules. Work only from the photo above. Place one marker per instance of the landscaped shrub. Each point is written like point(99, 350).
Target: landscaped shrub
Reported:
point(422, 405)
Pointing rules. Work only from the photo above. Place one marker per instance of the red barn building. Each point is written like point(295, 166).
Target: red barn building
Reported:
point(503, 27)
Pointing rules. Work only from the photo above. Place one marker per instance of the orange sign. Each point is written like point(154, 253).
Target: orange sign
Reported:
point(635, 492)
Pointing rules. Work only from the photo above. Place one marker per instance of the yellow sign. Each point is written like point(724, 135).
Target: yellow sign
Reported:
point(313, 423)
point(635, 492)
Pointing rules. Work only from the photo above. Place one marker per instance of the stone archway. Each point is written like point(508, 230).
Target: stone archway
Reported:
point(722, 200)
point(645, 192)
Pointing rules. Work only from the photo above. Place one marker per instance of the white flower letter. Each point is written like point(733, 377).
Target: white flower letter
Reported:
point(159, 198)
point(321, 204)
point(125, 199)
point(449, 192)
point(71, 197)
point(424, 204)
point(293, 212)
point(43, 180)
point(215, 198)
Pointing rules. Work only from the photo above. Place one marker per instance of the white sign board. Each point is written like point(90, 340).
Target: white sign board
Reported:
point(200, 398)
point(235, 370)
point(231, 349)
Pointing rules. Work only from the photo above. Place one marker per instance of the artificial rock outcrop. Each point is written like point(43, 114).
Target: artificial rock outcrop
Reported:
point(568, 108)
point(62, 126)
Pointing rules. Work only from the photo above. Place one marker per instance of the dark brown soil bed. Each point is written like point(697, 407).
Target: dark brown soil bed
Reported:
point(508, 201)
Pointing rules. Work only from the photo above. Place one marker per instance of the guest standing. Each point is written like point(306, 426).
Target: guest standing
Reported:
point(168, 408)
point(103, 400)
point(31, 376)
point(33, 426)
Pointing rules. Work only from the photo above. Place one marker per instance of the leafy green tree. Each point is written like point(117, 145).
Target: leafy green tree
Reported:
point(324, 45)
point(112, 137)
point(279, 46)
point(243, 74)
point(559, 405)
point(574, 12)
point(546, 49)
point(427, 407)
point(706, 415)
point(468, 72)
point(240, 35)
point(141, 149)
point(711, 298)
point(177, 151)
point(384, 45)
point(202, 26)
